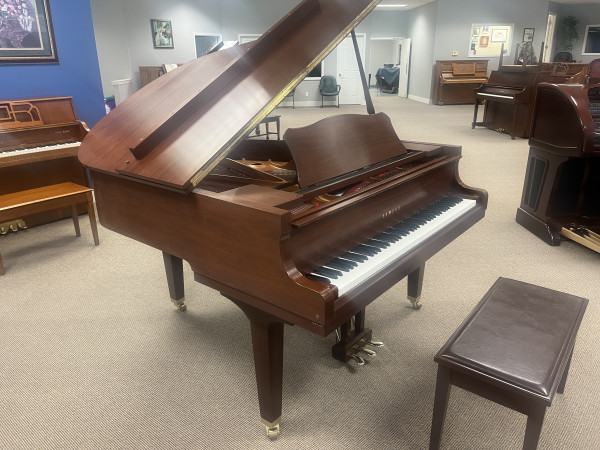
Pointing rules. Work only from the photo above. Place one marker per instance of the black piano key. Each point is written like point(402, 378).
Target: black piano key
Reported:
point(318, 278)
point(328, 273)
point(354, 257)
point(386, 237)
point(365, 250)
point(341, 264)
point(376, 243)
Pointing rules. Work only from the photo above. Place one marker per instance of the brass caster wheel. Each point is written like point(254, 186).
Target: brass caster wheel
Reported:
point(179, 304)
point(273, 432)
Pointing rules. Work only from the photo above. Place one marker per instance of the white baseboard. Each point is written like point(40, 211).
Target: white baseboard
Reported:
point(419, 99)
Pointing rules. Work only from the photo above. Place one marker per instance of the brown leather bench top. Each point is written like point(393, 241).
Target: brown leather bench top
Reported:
point(519, 335)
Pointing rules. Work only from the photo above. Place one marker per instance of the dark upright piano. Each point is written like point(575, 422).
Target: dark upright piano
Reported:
point(509, 96)
point(305, 231)
point(561, 192)
point(39, 140)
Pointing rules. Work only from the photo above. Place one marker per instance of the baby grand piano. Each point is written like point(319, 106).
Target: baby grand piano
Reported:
point(307, 230)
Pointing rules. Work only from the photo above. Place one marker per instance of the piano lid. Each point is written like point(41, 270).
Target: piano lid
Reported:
point(175, 130)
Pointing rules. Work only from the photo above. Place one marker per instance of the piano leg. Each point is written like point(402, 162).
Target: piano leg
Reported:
point(476, 108)
point(415, 285)
point(267, 343)
point(174, 270)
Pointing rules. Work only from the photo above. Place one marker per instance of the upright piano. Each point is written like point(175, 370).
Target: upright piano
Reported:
point(306, 230)
point(39, 140)
point(561, 192)
point(455, 81)
point(509, 96)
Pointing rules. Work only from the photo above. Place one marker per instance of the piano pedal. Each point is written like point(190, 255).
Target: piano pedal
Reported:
point(376, 343)
point(179, 304)
point(13, 225)
point(359, 359)
point(367, 351)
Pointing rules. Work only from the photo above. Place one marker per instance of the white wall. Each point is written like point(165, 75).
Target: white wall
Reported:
point(123, 36)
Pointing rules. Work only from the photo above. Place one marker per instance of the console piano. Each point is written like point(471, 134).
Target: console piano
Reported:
point(561, 192)
point(509, 96)
point(455, 81)
point(39, 140)
point(305, 231)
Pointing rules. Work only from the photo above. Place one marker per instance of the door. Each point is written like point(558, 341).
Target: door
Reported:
point(348, 75)
point(404, 65)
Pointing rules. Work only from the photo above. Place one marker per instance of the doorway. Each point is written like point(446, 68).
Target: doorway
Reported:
point(348, 75)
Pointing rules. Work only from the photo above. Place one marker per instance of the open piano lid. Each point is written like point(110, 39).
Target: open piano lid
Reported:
point(175, 130)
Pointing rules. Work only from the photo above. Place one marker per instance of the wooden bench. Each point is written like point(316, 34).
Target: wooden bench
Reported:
point(31, 201)
point(515, 349)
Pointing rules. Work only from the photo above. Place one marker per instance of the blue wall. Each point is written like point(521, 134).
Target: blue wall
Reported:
point(77, 73)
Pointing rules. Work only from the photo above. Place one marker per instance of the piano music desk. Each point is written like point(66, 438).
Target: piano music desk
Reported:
point(31, 201)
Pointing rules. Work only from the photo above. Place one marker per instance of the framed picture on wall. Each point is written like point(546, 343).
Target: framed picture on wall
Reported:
point(26, 34)
point(162, 33)
point(528, 34)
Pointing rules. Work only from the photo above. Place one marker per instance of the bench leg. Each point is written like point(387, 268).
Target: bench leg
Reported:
point(563, 379)
point(75, 215)
point(440, 405)
point(92, 216)
point(535, 420)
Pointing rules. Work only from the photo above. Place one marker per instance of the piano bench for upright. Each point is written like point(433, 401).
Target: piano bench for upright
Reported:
point(515, 349)
point(32, 201)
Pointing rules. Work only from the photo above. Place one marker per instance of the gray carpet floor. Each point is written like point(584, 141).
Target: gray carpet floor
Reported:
point(94, 356)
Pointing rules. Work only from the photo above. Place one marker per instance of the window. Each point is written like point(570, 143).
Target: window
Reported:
point(591, 41)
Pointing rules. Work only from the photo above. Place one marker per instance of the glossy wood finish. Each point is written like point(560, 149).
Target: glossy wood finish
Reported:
point(563, 171)
point(218, 98)
point(249, 237)
point(455, 81)
point(514, 89)
point(502, 351)
point(23, 203)
point(32, 123)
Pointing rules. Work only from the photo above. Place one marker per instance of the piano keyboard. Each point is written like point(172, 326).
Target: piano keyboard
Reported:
point(32, 154)
point(365, 260)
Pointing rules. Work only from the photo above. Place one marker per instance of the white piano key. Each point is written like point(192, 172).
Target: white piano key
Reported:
point(354, 277)
point(42, 148)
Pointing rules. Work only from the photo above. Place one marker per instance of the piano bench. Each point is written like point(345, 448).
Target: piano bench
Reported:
point(515, 349)
point(32, 201)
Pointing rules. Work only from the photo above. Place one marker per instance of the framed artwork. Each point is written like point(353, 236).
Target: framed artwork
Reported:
point(499, 35)
point(162, 33)
point(26, 34)
point(528, 34)
point(487, 39)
